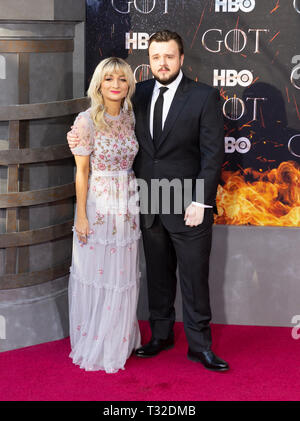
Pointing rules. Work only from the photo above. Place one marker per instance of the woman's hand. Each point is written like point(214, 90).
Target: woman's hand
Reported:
point(82, 229)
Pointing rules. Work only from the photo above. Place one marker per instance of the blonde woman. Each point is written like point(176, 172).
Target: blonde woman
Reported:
point(104, 275)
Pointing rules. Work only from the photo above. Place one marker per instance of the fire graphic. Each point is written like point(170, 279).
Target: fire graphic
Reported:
point(254, 198)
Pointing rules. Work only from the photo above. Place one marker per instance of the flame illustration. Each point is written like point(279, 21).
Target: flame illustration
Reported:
point(254, 198)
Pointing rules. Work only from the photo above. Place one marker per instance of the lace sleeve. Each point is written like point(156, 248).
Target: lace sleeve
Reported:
point(83, 129)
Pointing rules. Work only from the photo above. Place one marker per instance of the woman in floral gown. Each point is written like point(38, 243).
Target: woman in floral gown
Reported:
point(104, 275)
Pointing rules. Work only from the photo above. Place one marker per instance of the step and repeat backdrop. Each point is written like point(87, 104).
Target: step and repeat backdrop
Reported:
point(250, 51)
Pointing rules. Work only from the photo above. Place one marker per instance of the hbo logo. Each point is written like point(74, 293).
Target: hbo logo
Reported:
point(241, 145)
point(136, 40)
point(297, 5)
point(295, 74)
point(232, 77)
point(234, 5)
point(2, 67)
point(295, 320)
point(2, 327)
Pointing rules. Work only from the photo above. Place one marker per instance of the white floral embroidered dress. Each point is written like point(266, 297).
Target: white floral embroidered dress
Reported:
point(104, 275)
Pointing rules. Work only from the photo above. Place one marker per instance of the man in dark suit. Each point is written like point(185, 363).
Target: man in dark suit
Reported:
point(179, 127)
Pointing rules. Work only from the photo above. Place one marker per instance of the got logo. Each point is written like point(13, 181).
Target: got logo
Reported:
point(142, 6)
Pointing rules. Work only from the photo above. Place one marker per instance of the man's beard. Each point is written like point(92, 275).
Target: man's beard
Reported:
point(167, 81)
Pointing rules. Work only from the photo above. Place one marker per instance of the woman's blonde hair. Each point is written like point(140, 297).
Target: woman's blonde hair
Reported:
point(108, 66)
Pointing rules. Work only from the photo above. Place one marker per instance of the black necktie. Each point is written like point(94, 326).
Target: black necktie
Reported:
point(157, 116)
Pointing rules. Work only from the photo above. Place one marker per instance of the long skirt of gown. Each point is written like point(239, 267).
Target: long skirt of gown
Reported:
point(104, 277)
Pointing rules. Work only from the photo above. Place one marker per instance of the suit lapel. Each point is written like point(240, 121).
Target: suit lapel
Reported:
point(180, 98)
point(146, 139)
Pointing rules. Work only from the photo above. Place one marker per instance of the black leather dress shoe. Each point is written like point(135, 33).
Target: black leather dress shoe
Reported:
point(209, 360)
point(154, 347)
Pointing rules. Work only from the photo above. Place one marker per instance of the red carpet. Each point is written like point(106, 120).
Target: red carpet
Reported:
point(265, 366)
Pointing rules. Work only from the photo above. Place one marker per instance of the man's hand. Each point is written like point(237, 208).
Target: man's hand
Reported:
point(194, 215)
point(72, 138)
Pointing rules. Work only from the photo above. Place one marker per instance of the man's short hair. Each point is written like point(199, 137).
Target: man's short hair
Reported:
point(165, 36)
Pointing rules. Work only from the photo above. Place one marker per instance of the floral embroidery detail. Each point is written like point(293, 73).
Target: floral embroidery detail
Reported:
point(101, 271)
point(78, 327)
point(127, 217)
point(124, 164)
point(115, 145)
point(131, 219)
point(99, 218)
point(134, 224)
point(112, 251)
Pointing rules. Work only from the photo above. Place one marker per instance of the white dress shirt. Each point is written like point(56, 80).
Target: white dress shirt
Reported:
point(168, 98)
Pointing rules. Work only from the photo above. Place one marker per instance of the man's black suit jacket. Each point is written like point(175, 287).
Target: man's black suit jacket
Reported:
point(191, 145)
